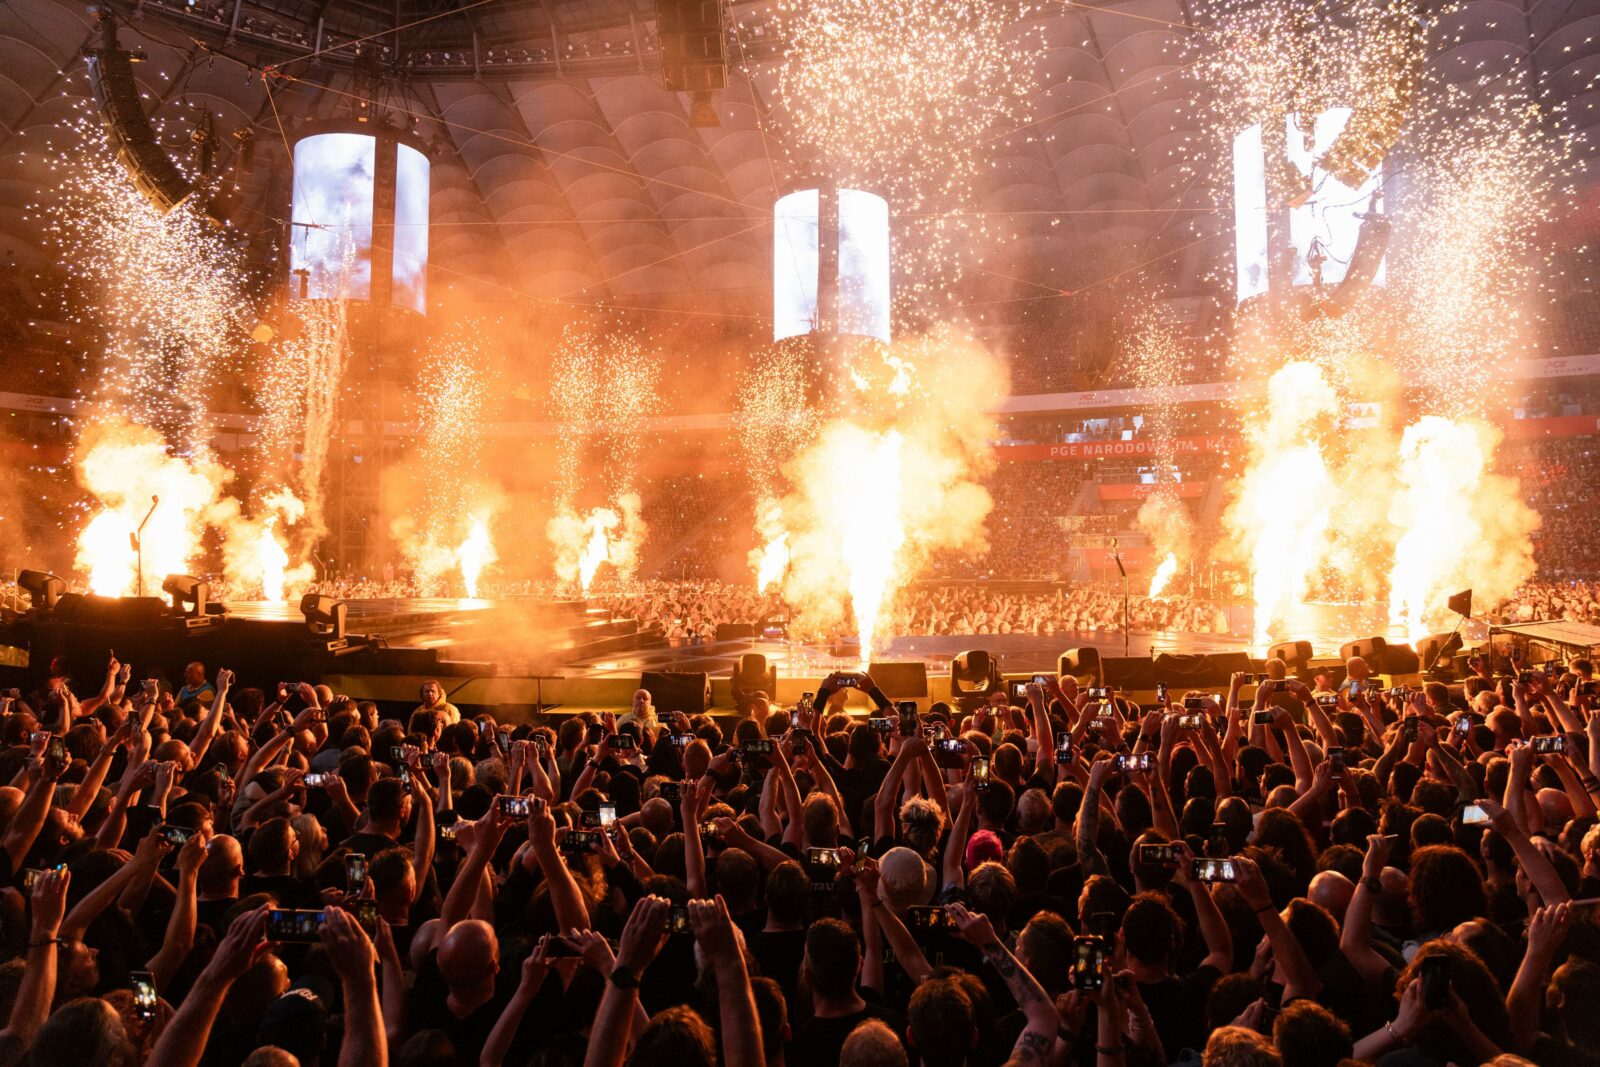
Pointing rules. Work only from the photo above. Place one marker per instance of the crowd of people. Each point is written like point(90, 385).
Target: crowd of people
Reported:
point(1298, 873)
point(692, 611)
point(1557, 477)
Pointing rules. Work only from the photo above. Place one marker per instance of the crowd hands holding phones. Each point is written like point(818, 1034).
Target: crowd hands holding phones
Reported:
point(1285, 873)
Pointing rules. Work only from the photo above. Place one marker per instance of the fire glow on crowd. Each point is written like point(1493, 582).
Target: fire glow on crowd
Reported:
point(1209, 325)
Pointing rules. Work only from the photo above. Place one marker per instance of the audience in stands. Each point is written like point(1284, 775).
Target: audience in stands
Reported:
point(1374, 877)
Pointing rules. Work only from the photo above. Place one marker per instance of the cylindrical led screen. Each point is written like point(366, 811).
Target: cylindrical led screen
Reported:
point(330, 247)
point(860, 250)
point(411, 230)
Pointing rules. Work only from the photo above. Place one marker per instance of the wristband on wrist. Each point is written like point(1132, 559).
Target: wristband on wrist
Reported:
point(47, 941)
point(623, 978)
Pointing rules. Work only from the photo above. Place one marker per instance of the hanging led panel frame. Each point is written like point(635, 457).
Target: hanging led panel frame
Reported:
point(359, 218)
point(830, 264)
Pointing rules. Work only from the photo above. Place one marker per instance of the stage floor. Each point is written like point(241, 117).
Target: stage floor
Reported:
point(1018, 653)
point(567, 638)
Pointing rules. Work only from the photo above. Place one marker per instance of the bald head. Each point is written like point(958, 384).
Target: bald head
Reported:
point(222, 868)
point(469, 955)
point(1332, 891)
point(10, 801)
point(656, 814)
point(271, 1056)
point(1556, 806)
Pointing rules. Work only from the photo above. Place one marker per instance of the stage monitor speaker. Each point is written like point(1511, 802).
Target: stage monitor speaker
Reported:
point(1084, 664)
point(116, 91)
point(1368, 648)
point(1128, 673)
point(43, 588)
point(1438, 650)
point(685, 691)
point(91, 610)
point(1381, 656)
point(1296, 654)
point(735, 631)
point(901, 681)
point(693, 53)
point(1205, 669)
point(752, 675)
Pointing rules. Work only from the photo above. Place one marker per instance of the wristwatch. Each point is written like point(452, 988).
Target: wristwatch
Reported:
point(623, 978)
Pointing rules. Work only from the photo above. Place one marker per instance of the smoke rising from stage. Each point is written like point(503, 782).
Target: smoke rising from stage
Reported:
point(1459, 525)
point(891, 476)
point(129, 469)
point(603, 388)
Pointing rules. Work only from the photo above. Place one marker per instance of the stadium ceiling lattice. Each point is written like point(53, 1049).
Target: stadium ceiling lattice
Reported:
point(562, 168)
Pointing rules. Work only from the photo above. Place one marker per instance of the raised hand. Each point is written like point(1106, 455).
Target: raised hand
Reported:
point(348, 946)
point(975, 927)
point(49, 902)
point(644, 934)
point(713, 928)
point(594, 948)
point(242, 946)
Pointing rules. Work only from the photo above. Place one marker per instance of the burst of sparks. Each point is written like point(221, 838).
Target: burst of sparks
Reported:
point(163, 293)
point(902, 98)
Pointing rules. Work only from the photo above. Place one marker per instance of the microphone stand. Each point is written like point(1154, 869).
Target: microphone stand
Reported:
point(1438, 651)
point(1127, 635)
point(138, 545)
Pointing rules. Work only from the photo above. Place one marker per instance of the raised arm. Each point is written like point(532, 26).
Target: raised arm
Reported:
point(98, 899)
point(1090, 858)
point(951, 872)
point(211, 721)
point(736, 1005)
point(641, 941)
point(1213, 927)
point(354, 959)
point(30, 816)
point(87, 790)
point(425, 839)
point(184, 1039)
point(1038, 1038)
point(1535, 864)
point(567, 899)
point(1299, 977)
point(819, 771)
point(179, 939)
point(694, 850)
point(535, 969)
point(38, 986)
point(794, 831)
point(886, 800)
point(1355, 938)
point(905, 948)
point(484, 837)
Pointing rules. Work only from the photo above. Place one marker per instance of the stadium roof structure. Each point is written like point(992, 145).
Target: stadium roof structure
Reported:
point(562, 168)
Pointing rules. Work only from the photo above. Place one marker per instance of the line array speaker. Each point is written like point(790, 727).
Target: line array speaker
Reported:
point(116, 91)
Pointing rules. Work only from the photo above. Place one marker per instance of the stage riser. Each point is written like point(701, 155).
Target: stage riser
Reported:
point(517, 698)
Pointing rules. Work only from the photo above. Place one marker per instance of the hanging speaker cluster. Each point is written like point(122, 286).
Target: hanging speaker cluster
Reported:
point(127, 126)
point(693, 59)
